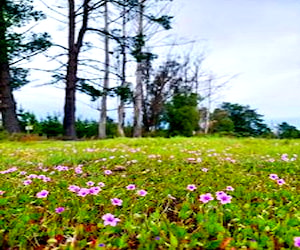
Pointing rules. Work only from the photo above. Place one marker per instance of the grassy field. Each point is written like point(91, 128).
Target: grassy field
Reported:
point(198, 193)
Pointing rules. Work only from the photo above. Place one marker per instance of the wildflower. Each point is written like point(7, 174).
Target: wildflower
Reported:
point(224, 199)
point(206, 197)
point(109, 219)
point(229, 188)
point(107, 172)
point(78, 170)
point(204, 169)
point(42, 194)
point(2, 192)
point(219, 193)
point(142, 192)
point(94, 190)
point(83, 192)
point(90, 183)
point(273, 177)
point(116, 202)
point(157, 238)
point(101, 184)
point(73, 188)
point(46, 179)
point(59, 210)
point(280, 182)
point(297, 242)
point(284, 157)
point(101, 245)
point(32, 176)
point(191, 187)
point(23, 173)
point(130, 187)
point(27, 182)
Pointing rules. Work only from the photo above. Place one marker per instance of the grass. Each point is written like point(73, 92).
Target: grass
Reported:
point(261, 215)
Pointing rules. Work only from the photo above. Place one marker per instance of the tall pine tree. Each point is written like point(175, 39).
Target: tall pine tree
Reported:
point(16, 47)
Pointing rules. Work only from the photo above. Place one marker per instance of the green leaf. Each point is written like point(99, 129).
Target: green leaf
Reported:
point(173, 241)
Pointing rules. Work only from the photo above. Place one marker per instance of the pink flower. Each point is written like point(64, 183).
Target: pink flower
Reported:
point(142, 192)
point(94, 190)
point(42, 194)
point(116, 202)
point(297, 242)
point(191, 187)
point(273, 176)
point(90, 183)
point(74, 188)
point(224, 199)
point(78, 170)
point(59, 210)
point(130, 187)
point(285, 157)
point(83, 192)
point(107, 172)
point(27, 182)
point(229, 188)
point(109, 219)
point(32, 176)
point(46, 179)
point(101, 184)
point(280, 182)
point(219, 193)
point(206, 197)
point(2, 192)
point(204, 169)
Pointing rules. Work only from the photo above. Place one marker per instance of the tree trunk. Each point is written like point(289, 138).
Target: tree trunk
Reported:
point(207, 116)
point(138, 116)
point(121, 108)
point(103, 114)
point(7, 102)
point(71, 78)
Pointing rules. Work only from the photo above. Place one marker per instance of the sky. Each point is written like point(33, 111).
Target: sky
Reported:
point(257, 41)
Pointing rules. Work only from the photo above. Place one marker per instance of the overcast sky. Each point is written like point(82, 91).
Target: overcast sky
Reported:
point(259, 40)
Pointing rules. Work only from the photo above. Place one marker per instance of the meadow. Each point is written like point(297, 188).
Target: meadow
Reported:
point(179, 193)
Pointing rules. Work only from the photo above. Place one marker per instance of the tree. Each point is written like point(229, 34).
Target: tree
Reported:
point(74, 47)
point(103, 113)
point(16, 47)
point(143, 58)
point(182, 114)
point(221, 122)
point(247, 122)
point(287, 131)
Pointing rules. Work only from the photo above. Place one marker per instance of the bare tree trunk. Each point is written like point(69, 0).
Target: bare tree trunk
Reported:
point(72, 67)
point(7, 102)
point(207, 116)
point(121, 108)
point(103, 114)
point(138, 116)
point(71, 78)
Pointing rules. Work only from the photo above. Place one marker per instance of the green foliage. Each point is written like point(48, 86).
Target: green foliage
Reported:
point(247, 122)
point(287, 131)
point(164, 21)
point(86, 128)
point(182, 114)
point(221, 122)
point(51, 126)
point(18, 46)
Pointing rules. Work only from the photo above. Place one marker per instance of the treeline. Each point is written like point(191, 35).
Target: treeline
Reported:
point(180, 117)
point(110, 53)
